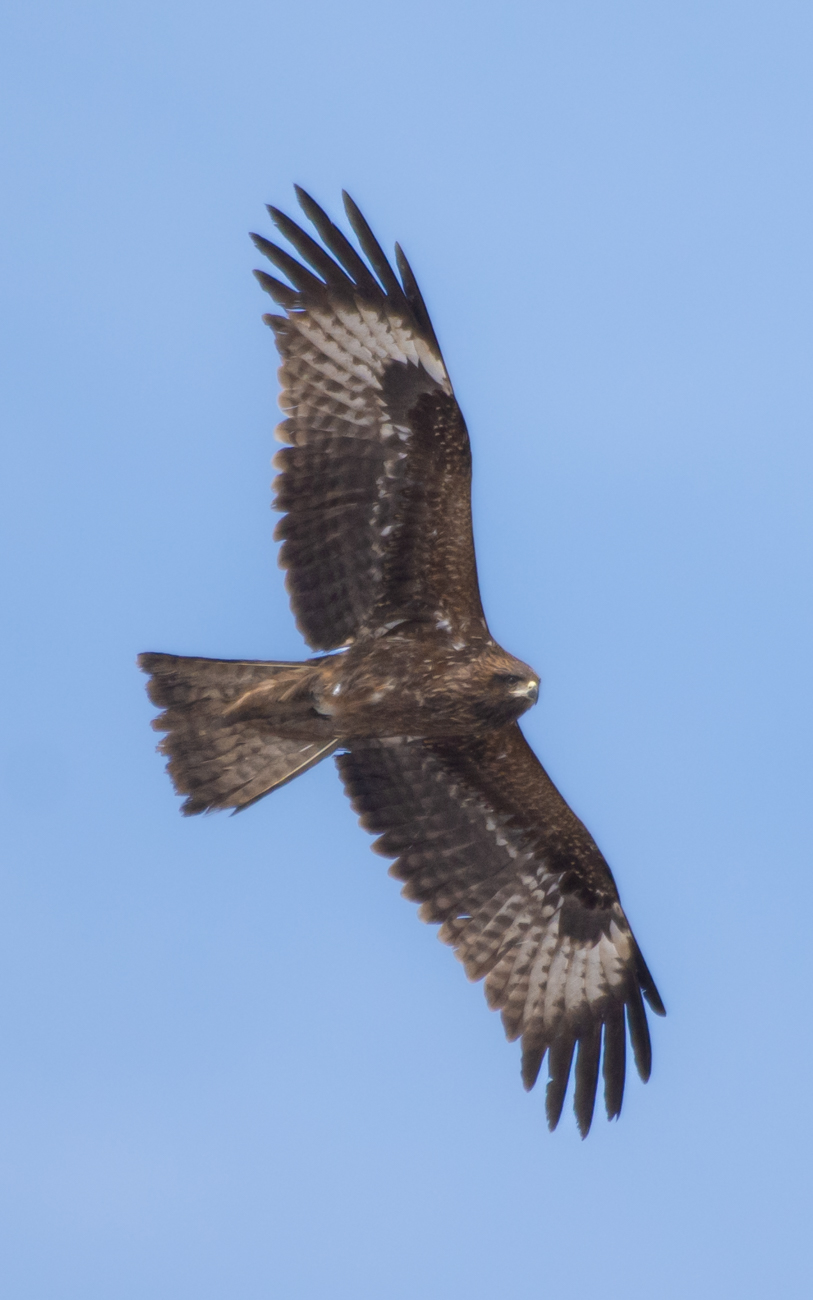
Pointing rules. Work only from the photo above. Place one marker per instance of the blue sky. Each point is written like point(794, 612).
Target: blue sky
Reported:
point(232, 1062)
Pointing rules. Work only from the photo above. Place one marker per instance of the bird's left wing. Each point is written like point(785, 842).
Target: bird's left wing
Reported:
point(489, 848)
point(375, 483)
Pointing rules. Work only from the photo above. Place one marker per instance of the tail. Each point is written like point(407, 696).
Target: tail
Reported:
point(232, 725)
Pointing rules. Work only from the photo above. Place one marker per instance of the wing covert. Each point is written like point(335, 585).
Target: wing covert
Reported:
point(375, 482)
point(486, 844)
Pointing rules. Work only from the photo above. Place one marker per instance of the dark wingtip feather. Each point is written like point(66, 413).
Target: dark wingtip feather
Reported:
point(560, 1057)
point(414, 296)
point(374, 252)
point(647, 984)
point(653, 997)
point(312, 252)
point(639, 1033)
point(587, 1077)
point(281, 293)
point(300, 276)
point(313, 210)
point(615, 1061)
point(339, 245)
point(532, 1056)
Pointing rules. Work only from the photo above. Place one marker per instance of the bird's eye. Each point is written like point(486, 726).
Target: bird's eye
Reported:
point(509, 679)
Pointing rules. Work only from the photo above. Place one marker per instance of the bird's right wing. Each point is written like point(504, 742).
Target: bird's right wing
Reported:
point(489, 848)
point(375, 483)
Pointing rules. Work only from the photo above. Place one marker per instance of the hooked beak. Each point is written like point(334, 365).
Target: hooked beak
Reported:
point(527, 690)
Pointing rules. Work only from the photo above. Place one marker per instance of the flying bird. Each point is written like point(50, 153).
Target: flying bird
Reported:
point(410, 691)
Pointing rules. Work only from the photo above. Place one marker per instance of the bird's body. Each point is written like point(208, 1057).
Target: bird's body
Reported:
point(421, 684)
point(413, 695)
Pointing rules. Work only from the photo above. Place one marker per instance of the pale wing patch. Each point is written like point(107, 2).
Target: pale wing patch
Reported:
point(558, 964)
point(360, 364)
point(364, 342)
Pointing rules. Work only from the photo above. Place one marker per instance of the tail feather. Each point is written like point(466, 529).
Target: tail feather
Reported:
point(223, 720)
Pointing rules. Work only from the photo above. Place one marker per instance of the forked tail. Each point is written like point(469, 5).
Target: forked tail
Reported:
point(229, 726)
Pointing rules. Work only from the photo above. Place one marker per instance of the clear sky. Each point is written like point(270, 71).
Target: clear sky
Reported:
point(232, 1061)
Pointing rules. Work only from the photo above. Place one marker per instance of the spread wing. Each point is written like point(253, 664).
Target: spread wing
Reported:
point(375, 483)
point(489, 848)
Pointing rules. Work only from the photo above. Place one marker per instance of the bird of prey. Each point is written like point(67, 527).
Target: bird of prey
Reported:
point(411, 693)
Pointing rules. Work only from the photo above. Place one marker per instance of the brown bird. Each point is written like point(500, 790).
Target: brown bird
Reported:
point(413, 695)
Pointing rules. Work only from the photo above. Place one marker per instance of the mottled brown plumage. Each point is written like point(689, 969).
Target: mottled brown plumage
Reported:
point(421, 703)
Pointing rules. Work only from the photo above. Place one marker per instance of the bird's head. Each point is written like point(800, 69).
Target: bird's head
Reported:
point(511, 686)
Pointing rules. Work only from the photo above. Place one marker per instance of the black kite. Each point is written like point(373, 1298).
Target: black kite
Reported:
point(417, 700)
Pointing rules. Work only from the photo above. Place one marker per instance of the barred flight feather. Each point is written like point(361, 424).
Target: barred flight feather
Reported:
point(357, 354)
point(558, 964)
